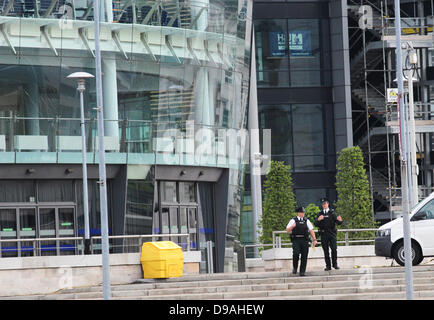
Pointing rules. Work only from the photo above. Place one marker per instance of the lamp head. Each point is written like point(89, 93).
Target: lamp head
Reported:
point(80, 75)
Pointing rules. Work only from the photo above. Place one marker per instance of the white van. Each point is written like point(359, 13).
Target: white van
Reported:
point(389, 238)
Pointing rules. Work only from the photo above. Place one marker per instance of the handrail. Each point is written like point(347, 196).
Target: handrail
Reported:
point(347, 240)
point(35, 241)
point(140, 237)
point(37, 248)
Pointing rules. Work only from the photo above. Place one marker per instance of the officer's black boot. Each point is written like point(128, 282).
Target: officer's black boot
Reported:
point(294, 265)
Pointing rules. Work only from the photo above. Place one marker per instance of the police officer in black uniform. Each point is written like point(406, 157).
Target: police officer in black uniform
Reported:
point(326, 222)
point(300, 227)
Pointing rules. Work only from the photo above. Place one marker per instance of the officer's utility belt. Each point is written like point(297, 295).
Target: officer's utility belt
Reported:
point(327, 231)
point(299, 236)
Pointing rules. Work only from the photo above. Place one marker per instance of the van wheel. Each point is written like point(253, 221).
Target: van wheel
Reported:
point(399, 256)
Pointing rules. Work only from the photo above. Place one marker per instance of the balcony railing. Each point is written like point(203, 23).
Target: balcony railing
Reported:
point(172, 13)
point(58, 140)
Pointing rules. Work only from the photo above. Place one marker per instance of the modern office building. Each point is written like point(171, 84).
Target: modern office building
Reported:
point(175, 77)
point(325, 70)
point(304, 97)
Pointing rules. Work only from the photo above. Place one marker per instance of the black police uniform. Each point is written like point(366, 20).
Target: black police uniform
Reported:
point(327, 232)
point(300, 244)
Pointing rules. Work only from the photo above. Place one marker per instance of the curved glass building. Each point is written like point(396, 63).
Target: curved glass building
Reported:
point(175, 76)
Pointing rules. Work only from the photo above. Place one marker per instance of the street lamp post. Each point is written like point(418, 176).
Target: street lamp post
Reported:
point(405, 161)
point(411, 64)
point(81, 81)
point(97, 9)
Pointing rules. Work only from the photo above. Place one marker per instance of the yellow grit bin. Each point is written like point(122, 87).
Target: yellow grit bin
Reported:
point(161, 259)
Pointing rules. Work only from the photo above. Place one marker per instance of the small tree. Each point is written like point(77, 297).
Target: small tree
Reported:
point(311, 212)
point(352, 187)
point(279, 201)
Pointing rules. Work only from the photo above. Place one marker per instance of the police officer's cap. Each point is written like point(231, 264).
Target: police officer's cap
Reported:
point(300, 209)
point(324, 200)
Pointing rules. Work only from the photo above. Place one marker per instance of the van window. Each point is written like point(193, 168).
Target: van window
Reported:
point(429, 209)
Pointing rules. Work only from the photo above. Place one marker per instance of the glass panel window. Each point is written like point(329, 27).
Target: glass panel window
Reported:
point(8, 230)
point(297, 134)
point(66, 229)
point(307, 196)
point(278, 119)
point(47, 229)
point(55, 190)
point(27, 230)
point(304, 52)
point(429, 210)
point(271, 52)
point(168, 191)
point(308, 137)
point(187, 192)
point(17, 191)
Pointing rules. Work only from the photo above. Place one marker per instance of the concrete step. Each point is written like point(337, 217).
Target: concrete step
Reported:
point(310, 288)
point(360, 283)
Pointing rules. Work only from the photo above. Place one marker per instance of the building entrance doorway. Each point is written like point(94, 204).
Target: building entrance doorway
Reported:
point(32, 222)
point(183, 208)
point(180, 219)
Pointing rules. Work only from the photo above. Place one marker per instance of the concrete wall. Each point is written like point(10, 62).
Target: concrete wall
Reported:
point(41, 275)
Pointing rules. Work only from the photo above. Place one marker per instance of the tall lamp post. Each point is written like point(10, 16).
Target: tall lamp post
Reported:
point(81, 81)
point(405, 159)
point(97, 10)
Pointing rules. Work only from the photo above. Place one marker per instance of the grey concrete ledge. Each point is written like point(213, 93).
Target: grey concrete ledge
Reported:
point(94, 260)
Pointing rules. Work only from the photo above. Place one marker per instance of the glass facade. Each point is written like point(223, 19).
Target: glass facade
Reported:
point(297, 134)
point(289, 52)
point(299, 95)
point(175, 77)
point(174, 73)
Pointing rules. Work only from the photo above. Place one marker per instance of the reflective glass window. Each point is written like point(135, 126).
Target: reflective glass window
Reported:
point(307, 196)
point(308, 131)
point(271, 53)
point(304, 52)
point(187, 192)
point(168, 191)
point(297, 134)
point(55, 190)
point(278, 119)
point(289, 52)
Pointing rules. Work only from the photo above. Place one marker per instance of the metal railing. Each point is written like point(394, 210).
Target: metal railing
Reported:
point(36, 246)
point(277, 241)
point(139, 240)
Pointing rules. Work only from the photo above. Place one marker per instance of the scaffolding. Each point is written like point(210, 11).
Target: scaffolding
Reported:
point(375, 114)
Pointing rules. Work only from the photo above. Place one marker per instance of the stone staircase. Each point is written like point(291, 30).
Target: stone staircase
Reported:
point(348, 284)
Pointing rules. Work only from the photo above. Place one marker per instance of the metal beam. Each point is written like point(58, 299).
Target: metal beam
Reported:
point(206, 45)
point(87, 12)
point(47, 37)
point(8, 41)
point(118, 44)
point(169, 45)
point(85, 41)
point(8, 8)
point(144, 39)
point(197, 17)
point(50, 8)
point(150, 13)
point(193, 54)
point(176, 16)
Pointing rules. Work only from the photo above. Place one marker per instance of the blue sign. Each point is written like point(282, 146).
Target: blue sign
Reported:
point(300, 43)
point(277, 43)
